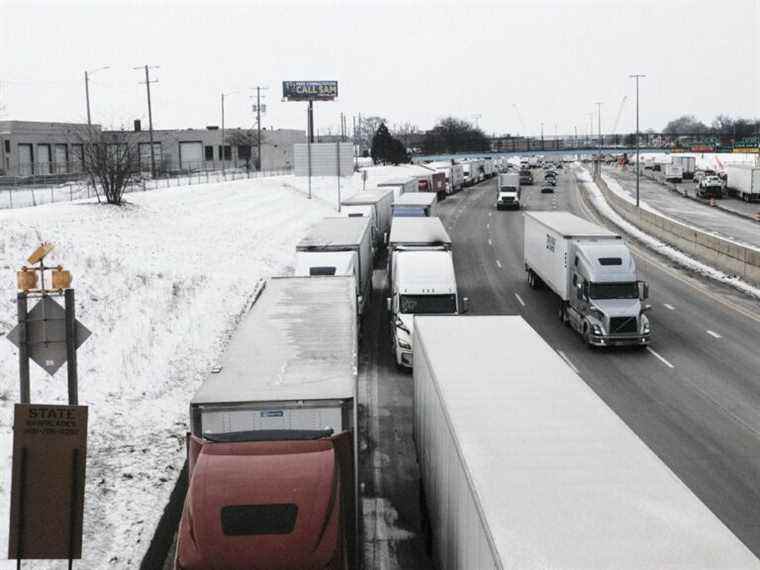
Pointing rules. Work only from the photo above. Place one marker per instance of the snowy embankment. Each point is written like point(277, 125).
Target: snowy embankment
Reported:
point(160, 283)
point(603, 207)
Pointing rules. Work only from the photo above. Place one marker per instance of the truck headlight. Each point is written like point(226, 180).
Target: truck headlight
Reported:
point(645, 326)
point(404, 344)
point(597, 329)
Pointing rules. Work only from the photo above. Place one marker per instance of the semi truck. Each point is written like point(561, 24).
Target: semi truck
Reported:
point(594, 275)
point(415, 204)
point(421, 277)
point(672, 172)
point(508, 191)
point(380, 202)
point(688, 165)
point(744, 179)
point(710, 187)
point(272, 452)
point(333, 235)
point(524, 466)
point(453, 173)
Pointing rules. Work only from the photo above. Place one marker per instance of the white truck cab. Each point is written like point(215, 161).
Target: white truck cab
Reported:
point(423, 284)
point(508, 191)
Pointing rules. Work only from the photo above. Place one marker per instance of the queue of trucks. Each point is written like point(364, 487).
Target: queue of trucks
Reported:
point(512, 472)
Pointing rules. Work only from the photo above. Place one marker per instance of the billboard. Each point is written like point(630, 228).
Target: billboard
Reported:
point(327, 159)
point(309, 90)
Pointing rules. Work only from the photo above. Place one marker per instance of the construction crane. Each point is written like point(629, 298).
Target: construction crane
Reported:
point(619, 113)
point(519, 118)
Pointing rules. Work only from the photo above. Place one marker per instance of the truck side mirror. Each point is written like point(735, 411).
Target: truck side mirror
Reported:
point(389, 304)
point(465, 305)
point(644, 290)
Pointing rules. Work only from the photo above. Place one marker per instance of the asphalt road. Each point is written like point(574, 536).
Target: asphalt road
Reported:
point(693, 397)
point(693, 212)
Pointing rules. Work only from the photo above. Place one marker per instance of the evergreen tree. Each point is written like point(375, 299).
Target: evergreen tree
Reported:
point(386, 148)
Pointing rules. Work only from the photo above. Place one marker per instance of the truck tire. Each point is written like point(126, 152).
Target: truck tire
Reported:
point(562, 313)
point(587, 337)
point(532, 279)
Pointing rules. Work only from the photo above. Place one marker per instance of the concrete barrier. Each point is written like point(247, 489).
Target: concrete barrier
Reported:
point(736, 259)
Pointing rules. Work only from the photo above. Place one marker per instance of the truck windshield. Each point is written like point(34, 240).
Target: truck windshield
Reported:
point(428, 304)
point(614, 291)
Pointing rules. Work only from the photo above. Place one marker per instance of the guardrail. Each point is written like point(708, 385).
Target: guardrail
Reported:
point(730, 257)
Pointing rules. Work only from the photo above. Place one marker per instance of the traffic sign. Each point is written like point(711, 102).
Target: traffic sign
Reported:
point(46, 335)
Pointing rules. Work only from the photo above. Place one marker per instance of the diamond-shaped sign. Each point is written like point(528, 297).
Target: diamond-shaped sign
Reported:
point(46, 335)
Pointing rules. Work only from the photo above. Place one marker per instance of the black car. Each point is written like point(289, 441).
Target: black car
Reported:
point(547, 190)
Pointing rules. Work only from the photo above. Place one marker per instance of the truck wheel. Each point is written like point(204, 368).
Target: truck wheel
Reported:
point(562, 313)
point(531, 279)
point(587, 337)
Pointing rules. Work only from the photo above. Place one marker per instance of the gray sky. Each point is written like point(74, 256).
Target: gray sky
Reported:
point(406, 61)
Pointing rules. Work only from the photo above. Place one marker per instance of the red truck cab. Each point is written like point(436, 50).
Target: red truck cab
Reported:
point(268, 501)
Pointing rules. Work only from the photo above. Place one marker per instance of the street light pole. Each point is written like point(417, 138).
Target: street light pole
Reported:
point(636, 76)
point(148, 81)
point(87, 90)
point(599, 127)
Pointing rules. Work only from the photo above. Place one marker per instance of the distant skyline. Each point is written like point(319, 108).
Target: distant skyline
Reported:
point(508, 66)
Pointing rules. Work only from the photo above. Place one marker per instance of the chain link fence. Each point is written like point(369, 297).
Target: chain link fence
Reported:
point(36, 192)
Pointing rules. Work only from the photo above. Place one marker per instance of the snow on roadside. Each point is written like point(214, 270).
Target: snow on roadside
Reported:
point(617, 189)
point(160, 283)
point(601, 204)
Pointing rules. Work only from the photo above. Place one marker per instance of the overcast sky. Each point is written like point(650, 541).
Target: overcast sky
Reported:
point(512, 64)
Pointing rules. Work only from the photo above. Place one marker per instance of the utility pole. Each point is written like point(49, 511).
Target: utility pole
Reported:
point(258, 89)
point(636, 77)
point(590, 127)
point(87, 90)
point(148, 81)
point(542, 136)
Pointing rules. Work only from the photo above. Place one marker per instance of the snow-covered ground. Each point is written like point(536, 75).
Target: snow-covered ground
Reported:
point(160, 282)
point(584, 177)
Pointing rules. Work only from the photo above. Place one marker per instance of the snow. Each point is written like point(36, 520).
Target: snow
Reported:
point(161, 283)
point(601, 204)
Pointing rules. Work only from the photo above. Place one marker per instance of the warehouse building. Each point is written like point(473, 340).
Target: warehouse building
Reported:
point(30, 148)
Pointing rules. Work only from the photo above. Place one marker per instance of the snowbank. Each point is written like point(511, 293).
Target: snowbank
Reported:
point(160, 283)
point(601, 205)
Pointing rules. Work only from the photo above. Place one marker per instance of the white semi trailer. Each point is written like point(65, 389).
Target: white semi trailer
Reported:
point(380, 202)
point(688, 165)
point(744, 179)
point(333, 235)
point(523, 466)
point(594, 275)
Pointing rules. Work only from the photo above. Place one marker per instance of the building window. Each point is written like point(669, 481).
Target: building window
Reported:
point(227, 152)
point(7, 146)
point(209, 151)
point(244, 152)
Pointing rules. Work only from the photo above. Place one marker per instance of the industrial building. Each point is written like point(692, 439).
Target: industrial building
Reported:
point(31, 148)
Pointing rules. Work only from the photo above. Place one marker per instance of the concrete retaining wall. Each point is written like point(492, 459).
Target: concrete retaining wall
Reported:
point(740, 260)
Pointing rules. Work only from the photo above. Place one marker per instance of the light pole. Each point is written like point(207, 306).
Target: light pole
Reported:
point(87, 89)
point(636, 76)
point(258, 125)
point(222, 153)
point(599, 127)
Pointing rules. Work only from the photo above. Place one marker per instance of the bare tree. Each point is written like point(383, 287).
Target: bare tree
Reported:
point(247, 139)
point(111, 160)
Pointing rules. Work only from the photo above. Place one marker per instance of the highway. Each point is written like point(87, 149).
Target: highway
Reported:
point(694, 397)
point(693, 212)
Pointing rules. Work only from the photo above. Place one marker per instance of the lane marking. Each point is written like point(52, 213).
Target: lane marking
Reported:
point(660, 358)
point(498, 263)
point(490, 214)
point(713, 334)
point(488, 226)
point(566, 359)
point(490, 242)
point(519, 299)
point(669, 307)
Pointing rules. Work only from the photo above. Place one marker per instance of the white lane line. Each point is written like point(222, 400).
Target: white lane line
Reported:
point(490, 242)
point(660, 358)
point(713, 334)
point(488, 226)
point(490, 214)
point(669, 307)
point(498, 263)
point(519, 299)
point(566, 359)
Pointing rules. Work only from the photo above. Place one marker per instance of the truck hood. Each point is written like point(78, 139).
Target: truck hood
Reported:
point(618, 307)
point(229, 480)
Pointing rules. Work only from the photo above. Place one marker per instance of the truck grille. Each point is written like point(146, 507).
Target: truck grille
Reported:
point(620, 325)
point(507, 200)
